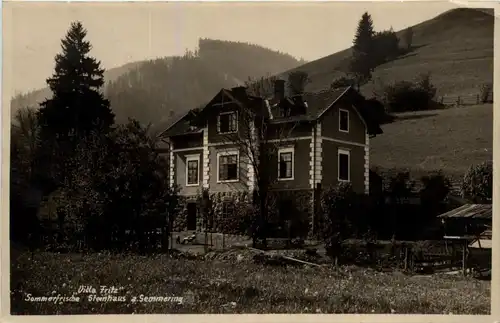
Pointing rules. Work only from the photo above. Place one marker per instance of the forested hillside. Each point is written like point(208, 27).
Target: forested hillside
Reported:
point(159, 88)
point(33, 98)
point(150, 91)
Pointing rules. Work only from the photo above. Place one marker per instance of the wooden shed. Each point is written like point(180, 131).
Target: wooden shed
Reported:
point(468, 219)
point(470, 225)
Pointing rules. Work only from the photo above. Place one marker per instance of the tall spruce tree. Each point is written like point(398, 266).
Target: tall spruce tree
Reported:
point(77, 106)
point(408, 38)
point(362, 61)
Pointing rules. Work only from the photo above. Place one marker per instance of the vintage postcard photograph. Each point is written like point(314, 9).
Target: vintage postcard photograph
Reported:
point(248, 158)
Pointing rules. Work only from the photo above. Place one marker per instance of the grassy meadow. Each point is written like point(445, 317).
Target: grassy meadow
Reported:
point(456, 47)
point(236, 286)
point(449, 139)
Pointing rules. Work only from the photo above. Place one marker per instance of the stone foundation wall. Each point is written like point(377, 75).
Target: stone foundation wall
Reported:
point(236, 219)
point(233, 212)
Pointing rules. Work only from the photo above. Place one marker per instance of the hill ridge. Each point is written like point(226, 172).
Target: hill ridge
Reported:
point(474, 26)
point(228, 69)
point(455, 46)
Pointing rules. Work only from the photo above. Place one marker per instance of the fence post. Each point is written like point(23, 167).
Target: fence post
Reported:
point(406, 259)
point(458, 101)
point(477, 99)
point(464, 260)
point(442, 99)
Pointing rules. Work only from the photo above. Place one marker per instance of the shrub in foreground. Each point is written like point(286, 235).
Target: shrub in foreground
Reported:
point(477, 184)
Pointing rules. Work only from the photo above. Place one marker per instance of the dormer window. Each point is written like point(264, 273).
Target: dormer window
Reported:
point(227, 122)
point(343, 120)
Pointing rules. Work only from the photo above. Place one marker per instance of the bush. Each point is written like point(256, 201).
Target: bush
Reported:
point(232, 214)
point(486, 93)
point(342, 81)
point(408, 96)
point(400, 187)
point(386, 46)
point(289, 214)
point(297, 82)
point(436, 187)
point(399, 215)
point(433, 193)
point(378, 111)
point(345, 215)
point(477, 184)
point(116, 190)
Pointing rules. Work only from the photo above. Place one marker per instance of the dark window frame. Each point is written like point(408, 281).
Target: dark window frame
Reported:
point(190, 160)
point(341, 155)
point(231, 124)
point(344, 122)
point(286, 173)
point(230, 162)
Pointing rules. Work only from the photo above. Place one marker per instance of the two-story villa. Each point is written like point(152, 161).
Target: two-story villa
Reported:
point(307, 140)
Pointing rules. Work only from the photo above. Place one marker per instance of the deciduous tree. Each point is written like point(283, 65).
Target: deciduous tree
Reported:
point(262, 87)
point(297, 81)
point(477, 184)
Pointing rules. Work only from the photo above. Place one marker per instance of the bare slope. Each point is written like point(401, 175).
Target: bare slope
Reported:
point(456, 47)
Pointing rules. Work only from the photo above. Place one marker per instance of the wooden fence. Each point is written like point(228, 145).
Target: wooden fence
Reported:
point(415, 175)
point(418, 256)
point(464, 100)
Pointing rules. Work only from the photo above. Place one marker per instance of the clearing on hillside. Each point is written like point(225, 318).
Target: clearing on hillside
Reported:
point(456, 47)
point(449, 139)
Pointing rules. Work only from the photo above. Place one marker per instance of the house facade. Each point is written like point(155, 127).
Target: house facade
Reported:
point(239, 142)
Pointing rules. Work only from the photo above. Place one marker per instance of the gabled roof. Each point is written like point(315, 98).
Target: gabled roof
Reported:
point(182, 126)
point(475, 211)
point(313, 104)
point(317, 103)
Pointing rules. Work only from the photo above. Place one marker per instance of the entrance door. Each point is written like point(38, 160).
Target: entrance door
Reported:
point(191, 216)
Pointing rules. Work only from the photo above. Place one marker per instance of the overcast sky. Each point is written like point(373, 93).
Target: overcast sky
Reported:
point(126, 32)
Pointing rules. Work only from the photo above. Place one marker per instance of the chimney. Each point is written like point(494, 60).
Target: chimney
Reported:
point(239, 91)
point(279, 89)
